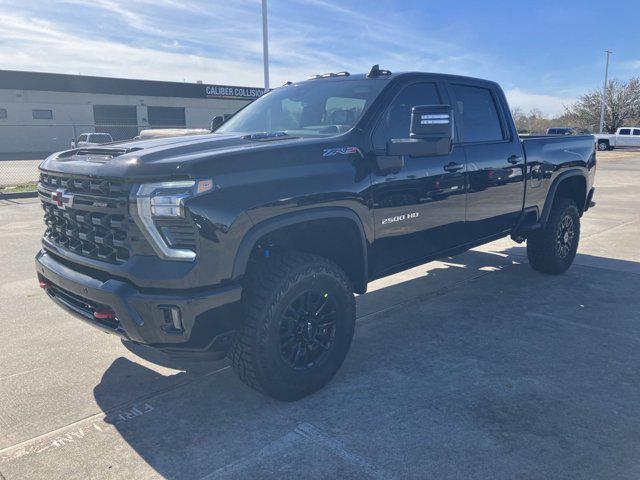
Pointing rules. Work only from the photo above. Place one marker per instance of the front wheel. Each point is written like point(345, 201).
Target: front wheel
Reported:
point(603, 146)
point(299, 322)
point(553, 248)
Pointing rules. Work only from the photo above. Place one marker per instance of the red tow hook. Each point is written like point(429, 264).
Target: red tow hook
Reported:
point(104, 313)
point(44, 284)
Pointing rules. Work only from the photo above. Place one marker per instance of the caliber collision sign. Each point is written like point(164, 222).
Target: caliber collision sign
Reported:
point(222, 91)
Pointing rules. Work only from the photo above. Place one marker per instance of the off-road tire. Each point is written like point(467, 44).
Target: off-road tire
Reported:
point(547, 248)
point(269, 288)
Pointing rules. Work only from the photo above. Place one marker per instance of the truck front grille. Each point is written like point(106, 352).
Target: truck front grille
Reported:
point(90, 234)
point(93, 218)
point(90, 186)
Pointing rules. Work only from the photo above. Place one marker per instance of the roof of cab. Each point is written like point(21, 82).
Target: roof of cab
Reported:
point(391, 76)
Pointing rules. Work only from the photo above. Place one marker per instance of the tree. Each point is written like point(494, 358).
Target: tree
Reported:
point(622, 106)
point(532, 122)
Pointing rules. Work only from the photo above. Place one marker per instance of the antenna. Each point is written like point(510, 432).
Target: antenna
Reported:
point(376, 72)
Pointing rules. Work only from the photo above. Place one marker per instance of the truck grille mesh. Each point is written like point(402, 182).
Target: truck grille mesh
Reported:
point(95, 235)
point(96, 225)
point(90, 186)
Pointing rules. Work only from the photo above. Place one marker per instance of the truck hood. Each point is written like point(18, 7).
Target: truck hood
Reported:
point(170, 157)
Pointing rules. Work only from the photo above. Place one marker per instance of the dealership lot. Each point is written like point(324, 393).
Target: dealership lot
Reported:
point(473, 367)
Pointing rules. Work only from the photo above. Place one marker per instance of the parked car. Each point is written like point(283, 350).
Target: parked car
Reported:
point(251, 241)
point(561, 131)
point(624, 137)
point(91, 139)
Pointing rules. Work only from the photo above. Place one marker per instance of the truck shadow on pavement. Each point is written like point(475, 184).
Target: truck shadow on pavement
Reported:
point(498, 384)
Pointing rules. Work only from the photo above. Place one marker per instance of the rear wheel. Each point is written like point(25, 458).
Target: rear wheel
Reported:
point(299, 322)
point(553, 248)
point(603, 146)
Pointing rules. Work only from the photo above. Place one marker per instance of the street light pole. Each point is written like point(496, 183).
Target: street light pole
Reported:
point(604, 91)
point(265, 44)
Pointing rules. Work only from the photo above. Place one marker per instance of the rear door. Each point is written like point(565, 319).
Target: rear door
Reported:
point(420, 210)
point(636, 137)
point(495, 161)
point(624, 138)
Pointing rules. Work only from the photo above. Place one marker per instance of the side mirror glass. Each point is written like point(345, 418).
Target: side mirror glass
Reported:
point(216, 122)
point(431, 133)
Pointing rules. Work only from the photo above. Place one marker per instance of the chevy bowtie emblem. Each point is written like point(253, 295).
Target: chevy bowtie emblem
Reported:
point(62, 198)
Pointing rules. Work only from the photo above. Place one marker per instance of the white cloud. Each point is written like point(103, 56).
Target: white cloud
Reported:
point(217, 42)
point(550, 105)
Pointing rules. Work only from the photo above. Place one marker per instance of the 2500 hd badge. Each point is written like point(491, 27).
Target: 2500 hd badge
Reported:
point(400, 218)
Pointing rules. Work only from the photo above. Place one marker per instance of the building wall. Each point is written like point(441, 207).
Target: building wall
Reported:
point(73, 114)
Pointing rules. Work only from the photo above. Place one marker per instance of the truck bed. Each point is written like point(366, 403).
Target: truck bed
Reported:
point(547, 156)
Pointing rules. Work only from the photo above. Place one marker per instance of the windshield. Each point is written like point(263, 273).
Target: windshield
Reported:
point(306, 110)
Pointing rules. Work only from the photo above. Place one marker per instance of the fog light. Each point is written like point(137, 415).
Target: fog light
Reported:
point(172, 319)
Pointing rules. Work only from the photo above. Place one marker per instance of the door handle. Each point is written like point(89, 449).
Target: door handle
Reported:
point(453, 167)
point(513, 159)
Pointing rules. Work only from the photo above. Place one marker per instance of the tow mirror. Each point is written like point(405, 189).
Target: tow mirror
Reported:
point(216, 122)
point(431, 133)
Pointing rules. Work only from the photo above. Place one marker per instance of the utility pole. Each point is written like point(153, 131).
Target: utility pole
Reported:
point(604, 91)
point(265, 44)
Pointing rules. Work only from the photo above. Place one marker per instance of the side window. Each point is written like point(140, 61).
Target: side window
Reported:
point(477, 109)
point(3, 113)
point(396, 121)
point(625, 131)
point(636, 131)
point(82, 138)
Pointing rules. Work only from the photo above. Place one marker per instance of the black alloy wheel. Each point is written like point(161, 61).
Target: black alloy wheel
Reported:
point(307, 329)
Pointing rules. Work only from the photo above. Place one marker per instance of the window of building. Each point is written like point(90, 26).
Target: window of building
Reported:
point(119, 121)
point(477, 109)
point(42, 114)
point(3, 113)
point(396, 122)
point(166, 116)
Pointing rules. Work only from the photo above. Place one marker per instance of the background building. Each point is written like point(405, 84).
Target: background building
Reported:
point(42, 112)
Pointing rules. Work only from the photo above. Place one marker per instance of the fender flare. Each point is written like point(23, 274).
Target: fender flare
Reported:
point(285, 220)
point(551, 194)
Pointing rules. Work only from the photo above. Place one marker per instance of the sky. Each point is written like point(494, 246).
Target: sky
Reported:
point(543, 53)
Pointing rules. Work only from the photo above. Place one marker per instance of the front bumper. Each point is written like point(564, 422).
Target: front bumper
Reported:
point(207, 315)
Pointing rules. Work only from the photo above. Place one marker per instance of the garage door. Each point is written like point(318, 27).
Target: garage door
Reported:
point(166, 116)
point(120, 121)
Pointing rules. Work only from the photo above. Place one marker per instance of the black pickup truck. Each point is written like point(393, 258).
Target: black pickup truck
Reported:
point(251, 241)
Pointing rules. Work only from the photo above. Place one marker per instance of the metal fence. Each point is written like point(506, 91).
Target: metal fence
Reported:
point(23, 147)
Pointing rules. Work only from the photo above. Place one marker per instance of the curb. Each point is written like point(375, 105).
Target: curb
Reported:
point(11, 196)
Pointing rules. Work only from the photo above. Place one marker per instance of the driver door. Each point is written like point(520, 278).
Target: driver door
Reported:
point(420, 210)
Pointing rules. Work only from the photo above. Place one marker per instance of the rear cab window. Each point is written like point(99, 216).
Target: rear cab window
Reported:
point(478, 115)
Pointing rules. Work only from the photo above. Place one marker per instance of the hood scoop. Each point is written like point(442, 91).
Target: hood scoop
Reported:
point(95, 155)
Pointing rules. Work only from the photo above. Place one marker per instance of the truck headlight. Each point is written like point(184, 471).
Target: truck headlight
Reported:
point(165, 200)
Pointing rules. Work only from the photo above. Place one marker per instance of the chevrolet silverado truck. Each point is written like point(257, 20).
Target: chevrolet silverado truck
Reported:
point(251, 241)
point(624, 137)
